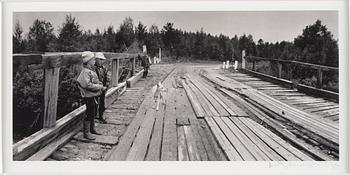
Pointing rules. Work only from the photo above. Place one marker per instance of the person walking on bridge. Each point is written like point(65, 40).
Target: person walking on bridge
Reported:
point(145, 63)
point(102, 73)
point(90, 88)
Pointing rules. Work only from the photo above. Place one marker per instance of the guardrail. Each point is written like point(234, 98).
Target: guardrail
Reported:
point(51, 63)
point(290, 63)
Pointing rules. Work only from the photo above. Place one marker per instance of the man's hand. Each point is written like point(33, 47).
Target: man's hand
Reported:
point(104, 88)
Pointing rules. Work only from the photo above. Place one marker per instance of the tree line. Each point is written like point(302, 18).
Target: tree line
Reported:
point(314, 45)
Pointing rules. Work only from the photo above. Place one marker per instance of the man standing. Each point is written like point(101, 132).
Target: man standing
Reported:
point(101, 71)
point(90, 88)
point(145, 63)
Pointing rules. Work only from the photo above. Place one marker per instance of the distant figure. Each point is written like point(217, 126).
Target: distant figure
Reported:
point(90, 88)
point(101, 71)
point(235, 66)
point(145, 63)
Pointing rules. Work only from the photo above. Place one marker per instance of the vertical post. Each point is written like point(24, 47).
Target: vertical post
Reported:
point(279, 66)
point(243, 59)
point(319, 78)
point(254, 67)
point(160, 54)
point(133, 66)
point(115, 72)
point(50, 96)
point(290, 71)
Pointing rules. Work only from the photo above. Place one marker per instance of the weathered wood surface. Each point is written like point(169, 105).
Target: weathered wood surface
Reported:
point(50, 97)
point(131, 81)
point(30, 145)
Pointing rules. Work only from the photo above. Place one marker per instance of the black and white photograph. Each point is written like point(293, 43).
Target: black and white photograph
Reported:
point(177, 85)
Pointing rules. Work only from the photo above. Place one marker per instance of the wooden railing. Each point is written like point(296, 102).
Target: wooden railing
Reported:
point(51, 64)
point(289, 64)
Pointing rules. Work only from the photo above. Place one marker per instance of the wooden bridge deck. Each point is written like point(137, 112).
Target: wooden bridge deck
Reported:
point(209, 114)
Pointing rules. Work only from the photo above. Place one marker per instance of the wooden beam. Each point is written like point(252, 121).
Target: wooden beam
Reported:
point(279, 66)
point(131, 81)
point(50, 96)
point(133, 68)
point(115, 72)
point(20, 61)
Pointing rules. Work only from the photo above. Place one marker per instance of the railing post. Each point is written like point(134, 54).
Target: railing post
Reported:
point(50, 96)
point(243, 59)
point(133, 66)
point(160, 54)
point(115, 72)
point(319, 78)
point(254, 67)
point(279, 66)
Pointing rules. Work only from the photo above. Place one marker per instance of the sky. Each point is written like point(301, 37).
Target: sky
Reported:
point(271, 26)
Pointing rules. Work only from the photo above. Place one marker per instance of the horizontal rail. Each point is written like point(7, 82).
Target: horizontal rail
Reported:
point(53, 60)
point(308, 65)
point(27, 147)
point(302, 88)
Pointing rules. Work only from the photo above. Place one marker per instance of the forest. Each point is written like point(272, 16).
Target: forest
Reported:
point(315, 44)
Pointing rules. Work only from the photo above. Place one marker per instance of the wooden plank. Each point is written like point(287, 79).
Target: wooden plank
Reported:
point(218, 107)
point(308, 121)
point(121, 150)
point(207, 107)
point(154, 149)
point(28, 146)
point(45, 152)
point(225, 145)
point(248, 144)
point(182, 147)
point(131, 81)
point(100, 139)
point(237, 144)
point(300, 102)
point(225, 110)
point(264, 148)
point(50, 97)
point(283, 143)
point(230, 104)
point(182, 121)
point(169, 142)
point(325, 109)
point(316, 106)
point(115, 72)
point(194, 102)
point(266, 138)
point(282, 130)
point(213, 148)
point(139, 147)
point(20, 61)
point(192, 149)
point(201, 141)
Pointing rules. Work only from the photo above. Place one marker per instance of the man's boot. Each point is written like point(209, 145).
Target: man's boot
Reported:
point(92, 128)
point(86, 130)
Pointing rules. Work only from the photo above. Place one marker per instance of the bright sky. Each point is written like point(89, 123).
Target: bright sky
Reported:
point(271, 26)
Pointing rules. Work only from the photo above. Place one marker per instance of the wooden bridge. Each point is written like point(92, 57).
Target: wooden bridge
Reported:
point(206, 113)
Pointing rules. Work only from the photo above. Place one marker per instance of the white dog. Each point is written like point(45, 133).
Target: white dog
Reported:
point(158, 95)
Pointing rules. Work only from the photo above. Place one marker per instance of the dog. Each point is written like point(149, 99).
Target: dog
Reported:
point(158, 95)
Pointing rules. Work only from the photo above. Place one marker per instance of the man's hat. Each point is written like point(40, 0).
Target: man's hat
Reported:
point(100, 55)
point(87, 56)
